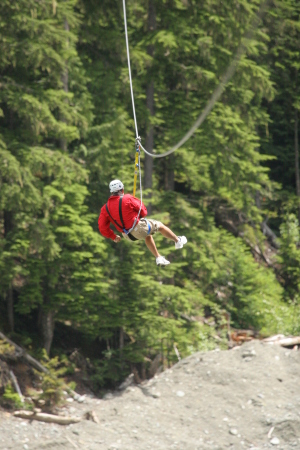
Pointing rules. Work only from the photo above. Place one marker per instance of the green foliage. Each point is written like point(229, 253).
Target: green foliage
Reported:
point(6, 349)
point(249, 291)
point(51, 384)
point(108, 371)
point(282, 24)
point(11, 397)
point(72, 385)
point(66, 130)
point(289, 259)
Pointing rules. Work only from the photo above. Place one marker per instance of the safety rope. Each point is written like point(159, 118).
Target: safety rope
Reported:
point(216, 94)
point(137, 164)
point(141, 190)
point(129, 70)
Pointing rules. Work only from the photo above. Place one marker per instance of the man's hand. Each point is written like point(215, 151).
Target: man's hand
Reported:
point(117, 239)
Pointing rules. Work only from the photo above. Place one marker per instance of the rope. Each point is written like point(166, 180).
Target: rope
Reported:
point(129, 69)
point(141, 190)
point(134, 114)
point(215, 96)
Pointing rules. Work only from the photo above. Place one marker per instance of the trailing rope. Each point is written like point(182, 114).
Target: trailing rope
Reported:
point(216, 94)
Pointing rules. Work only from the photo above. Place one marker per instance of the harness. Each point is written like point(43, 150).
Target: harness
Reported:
point(132, 238)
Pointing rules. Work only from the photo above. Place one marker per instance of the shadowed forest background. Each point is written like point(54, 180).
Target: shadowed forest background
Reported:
point(66, 130)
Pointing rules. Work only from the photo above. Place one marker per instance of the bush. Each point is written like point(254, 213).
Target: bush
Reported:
point(11, 398)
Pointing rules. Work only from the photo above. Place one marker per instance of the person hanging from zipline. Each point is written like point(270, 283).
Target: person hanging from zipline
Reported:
point(128, 215)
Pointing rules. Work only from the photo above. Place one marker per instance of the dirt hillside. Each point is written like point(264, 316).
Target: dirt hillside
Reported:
point(244, 398)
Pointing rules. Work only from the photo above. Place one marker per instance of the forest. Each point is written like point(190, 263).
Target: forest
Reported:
point(233, 189)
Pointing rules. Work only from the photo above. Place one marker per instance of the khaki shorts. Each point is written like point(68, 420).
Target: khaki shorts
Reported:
point(145, 227)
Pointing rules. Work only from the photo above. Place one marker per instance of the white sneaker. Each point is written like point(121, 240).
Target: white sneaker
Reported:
point(162, 261)
point(181, 241)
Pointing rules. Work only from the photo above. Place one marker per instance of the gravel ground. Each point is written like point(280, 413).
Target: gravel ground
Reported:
point(245, 398)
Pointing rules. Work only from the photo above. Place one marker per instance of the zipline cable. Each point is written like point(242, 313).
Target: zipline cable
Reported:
point(216, 94)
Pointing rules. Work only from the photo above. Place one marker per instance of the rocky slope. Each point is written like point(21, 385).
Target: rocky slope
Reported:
point(245, 398)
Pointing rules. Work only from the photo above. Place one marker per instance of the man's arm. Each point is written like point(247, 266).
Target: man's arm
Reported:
point(104, 226)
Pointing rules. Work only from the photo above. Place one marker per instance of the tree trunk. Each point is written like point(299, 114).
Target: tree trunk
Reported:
point(46, 323)
point(65, 82)
point(297, 161)
point(8, 226)
point(169, 173)
point(10, 309)
point(8, 222)
point(121, 338)
point(150, 107)
point(121, 346)
point(20, 353)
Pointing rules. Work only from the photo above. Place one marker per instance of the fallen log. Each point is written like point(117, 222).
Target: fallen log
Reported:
point(270, 234)
point(276, 337)
point(283, 341)
point(241, 336)
point(16, 385)
point(44, 417)
point(21, 353)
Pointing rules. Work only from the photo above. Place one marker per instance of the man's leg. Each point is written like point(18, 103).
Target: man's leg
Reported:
point(167, 233)
point(151, 246)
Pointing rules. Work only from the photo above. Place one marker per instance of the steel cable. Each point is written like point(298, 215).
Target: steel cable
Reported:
point(216, 94)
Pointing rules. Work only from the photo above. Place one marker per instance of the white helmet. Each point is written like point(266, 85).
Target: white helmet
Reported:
point(116, 185)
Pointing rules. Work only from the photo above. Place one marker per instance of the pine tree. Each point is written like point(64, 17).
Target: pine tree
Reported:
point(282, 24)
point(38, 113)
point(66, 130)
point(217, 173)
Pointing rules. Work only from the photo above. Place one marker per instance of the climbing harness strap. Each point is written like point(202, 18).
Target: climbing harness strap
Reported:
point(134, 222)
point(149, 227)
point(120, 226)
point(132, 238)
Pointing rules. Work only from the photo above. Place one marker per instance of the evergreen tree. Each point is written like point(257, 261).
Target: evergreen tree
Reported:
point(38, 113)
point(282, 23)
point(66, 130)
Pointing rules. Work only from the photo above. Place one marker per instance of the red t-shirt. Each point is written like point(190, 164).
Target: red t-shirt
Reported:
point(130, 209)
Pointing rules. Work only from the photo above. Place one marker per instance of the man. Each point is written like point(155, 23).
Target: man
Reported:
point(123, 211)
